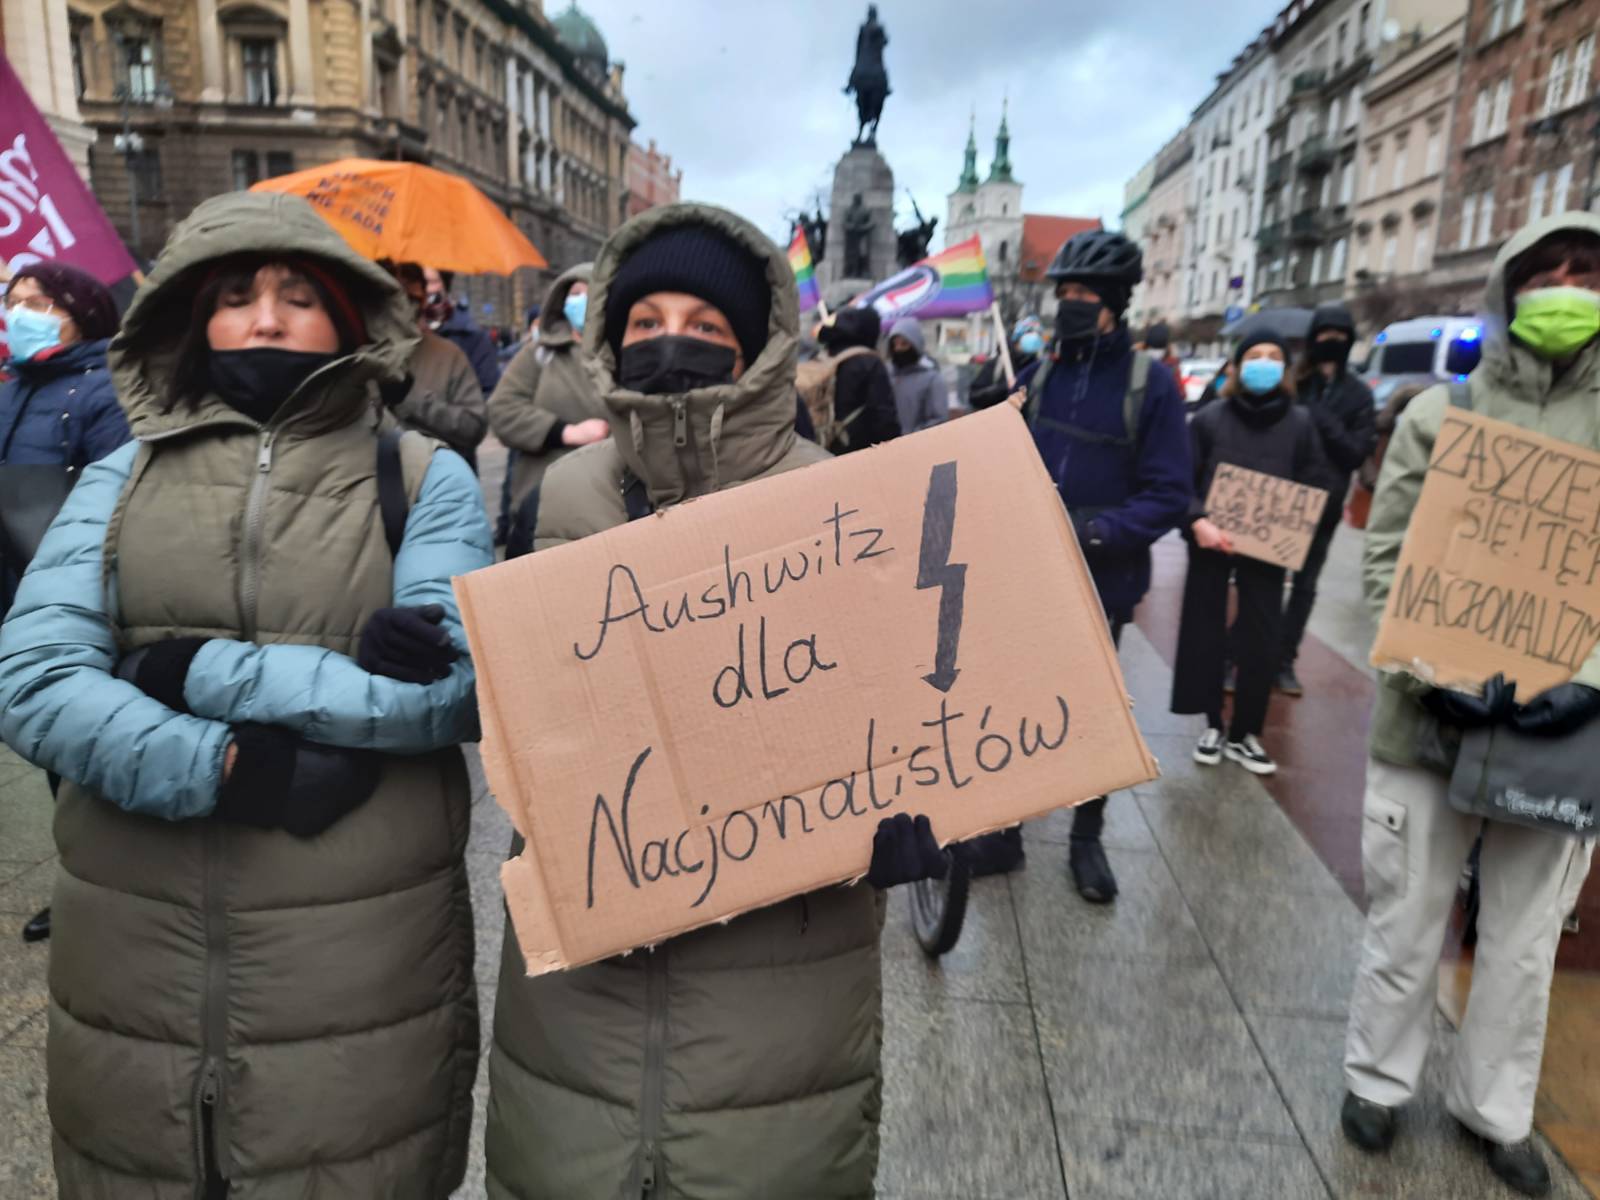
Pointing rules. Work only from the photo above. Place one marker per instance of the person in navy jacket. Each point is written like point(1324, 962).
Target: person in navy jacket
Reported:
point(1110, 426)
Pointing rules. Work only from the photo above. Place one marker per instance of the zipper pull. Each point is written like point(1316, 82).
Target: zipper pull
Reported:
point(680, 423)
point(264, 456)
point(647, 1181)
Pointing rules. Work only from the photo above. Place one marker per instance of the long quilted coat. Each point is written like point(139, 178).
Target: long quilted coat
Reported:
point(737, 1061)
point(296, 1017)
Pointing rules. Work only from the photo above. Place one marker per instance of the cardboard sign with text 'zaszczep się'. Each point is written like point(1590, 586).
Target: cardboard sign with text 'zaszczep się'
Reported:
point(1268, 518)
point(1500, 569)
point(710, 709)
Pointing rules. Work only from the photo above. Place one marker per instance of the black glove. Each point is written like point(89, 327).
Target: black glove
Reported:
point(904, 851)
point(1473, 712)
point(407, 644)
point(1557, 712)
point(160, 669)
point(393, 392)
point(1091, 534)
point(280, 781)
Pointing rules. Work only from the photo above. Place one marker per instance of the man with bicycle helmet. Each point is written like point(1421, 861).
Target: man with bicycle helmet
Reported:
point(1110, 427)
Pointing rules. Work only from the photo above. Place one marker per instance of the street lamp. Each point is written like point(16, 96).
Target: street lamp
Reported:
point(130, 143)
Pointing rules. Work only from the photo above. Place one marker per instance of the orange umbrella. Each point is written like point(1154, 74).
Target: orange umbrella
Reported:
point(411, 213)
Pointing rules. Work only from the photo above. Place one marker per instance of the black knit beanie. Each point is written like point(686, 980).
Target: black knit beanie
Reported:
point(1263, 337)
point(698, 260)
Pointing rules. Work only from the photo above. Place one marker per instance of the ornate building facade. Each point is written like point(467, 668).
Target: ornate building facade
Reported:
point(188, 98)
point(651, 178)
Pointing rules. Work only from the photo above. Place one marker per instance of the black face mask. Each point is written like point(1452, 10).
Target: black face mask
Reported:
point(1077, 319)
point(673, 363)
point(905, 358)
point(257, 382)
point(1334, 350)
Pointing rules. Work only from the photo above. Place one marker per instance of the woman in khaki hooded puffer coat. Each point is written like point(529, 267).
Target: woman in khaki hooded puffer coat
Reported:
point(261, 982)
point(739, 1060)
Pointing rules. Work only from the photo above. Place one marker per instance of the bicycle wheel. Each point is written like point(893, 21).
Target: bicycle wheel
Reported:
point(939, 906)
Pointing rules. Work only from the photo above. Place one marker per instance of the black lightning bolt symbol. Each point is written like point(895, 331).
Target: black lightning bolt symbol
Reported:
point(934, 569)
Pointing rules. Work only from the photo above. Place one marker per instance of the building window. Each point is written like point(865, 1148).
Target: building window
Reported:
point(146, 167)
point(1480, 116)
point(1336, 265)
point(1374, 186)
point(246, 170)
point(1422, 247)
point(258, 58)
point(1469, 221)
point(1347, 181)
point(139, 68)
point(439, 17)
point(80, 33)
point(1333, 118)
point(1485, 218)
point(1501, 116)
point(1503, 15)
point(1536, 196)
point(1391, 252)
point(1578, 74)
point(1316, 266)
point(279, 162)
point(1562, 191)
point(1002, 255)
point(1398, 179)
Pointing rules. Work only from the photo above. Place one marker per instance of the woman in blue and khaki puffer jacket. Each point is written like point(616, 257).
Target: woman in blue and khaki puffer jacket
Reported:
point(261, 982)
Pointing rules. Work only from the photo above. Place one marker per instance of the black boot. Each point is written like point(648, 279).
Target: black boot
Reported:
point(38, 929)
point(1521, 1167)
point(1087, 857)
point(1288, 682)
point(1367, 1125)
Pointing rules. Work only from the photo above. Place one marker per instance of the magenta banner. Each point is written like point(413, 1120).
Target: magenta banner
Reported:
point(46, 210)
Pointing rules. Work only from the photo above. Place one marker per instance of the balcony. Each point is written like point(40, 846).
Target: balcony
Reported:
point(1278, 171)
point(1306, 226)
point(1221, 142)
point(1316, 155)
point(1351, 72)
point(1270, 236)
point(1306, 82)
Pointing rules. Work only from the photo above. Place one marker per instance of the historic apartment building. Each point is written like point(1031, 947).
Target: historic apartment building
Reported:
point(651, 179)
point(1402, 160)
point(222, 93)
point(36, 40)
point(1160, 297)
point(1524, 131)
point(1227, 181)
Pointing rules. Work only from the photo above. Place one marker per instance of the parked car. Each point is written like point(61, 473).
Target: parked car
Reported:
point(1195, 374)
point(1422, 350)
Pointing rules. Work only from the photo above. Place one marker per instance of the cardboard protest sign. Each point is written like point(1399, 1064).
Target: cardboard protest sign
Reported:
point(709, 710)
point(1268, 518)
point(1500, 568)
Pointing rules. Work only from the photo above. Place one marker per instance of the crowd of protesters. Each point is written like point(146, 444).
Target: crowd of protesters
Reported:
point(237, 654)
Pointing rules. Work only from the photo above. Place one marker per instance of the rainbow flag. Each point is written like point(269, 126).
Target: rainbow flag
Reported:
point(805, 276)
point(952, 283)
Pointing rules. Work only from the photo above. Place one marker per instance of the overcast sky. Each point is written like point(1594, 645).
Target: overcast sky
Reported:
point(746, 94)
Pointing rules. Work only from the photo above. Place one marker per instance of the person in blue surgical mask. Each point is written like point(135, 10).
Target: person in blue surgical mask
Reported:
point(989, 385)
point(1259, 426)
point(546, 405)
point(58, 408)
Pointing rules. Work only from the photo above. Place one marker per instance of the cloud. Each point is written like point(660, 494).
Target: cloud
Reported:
point(746, 95)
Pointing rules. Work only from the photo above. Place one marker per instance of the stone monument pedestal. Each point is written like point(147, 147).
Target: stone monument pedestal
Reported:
point(862, 171)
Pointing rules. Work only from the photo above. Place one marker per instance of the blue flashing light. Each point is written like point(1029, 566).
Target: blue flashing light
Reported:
point(1381, 339)
point(1470, 334)
point(1436, 333)
point(1461, 378)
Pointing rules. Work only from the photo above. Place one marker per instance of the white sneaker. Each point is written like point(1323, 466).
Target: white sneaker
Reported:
point(1208, 752)
point(1249, 755)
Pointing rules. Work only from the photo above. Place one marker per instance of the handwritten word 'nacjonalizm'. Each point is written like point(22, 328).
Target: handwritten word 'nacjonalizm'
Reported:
point(843, 544)
point(956, 754)
point(1536, 626)
point(1544, 478)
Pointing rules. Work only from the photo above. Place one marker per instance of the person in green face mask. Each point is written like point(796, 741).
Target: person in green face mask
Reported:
point(1540, 370)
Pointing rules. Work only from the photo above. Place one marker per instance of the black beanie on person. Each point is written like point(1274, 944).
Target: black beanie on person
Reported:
point(1263, 337)
point(699, 261)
